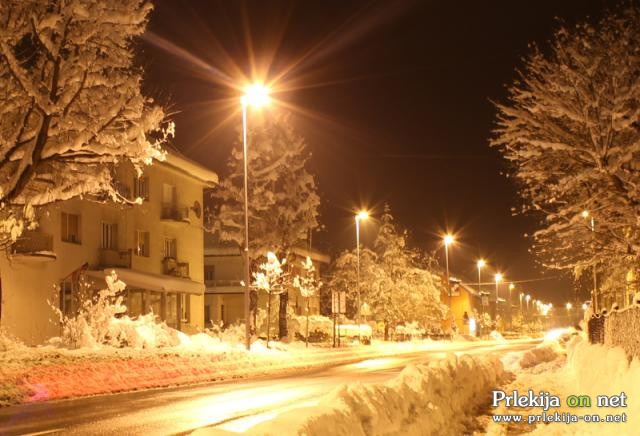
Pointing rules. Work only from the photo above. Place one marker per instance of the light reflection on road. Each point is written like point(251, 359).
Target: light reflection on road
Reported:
point(232, 406)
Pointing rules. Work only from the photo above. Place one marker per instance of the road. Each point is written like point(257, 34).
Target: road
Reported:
point(232, 405)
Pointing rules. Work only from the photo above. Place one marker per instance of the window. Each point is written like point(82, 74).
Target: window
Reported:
point(209, 273)
point(70, 231)
point(109, 236)
point(185, 308)
point(66, 297)
point(141, 187)
point(142, 243)
point(170, 248)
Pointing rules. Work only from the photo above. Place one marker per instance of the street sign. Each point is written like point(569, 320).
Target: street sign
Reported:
point(339, 302)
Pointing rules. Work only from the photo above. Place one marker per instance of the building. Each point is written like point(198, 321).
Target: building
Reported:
point(156, 248)
point(224, 295)
point(464, 299)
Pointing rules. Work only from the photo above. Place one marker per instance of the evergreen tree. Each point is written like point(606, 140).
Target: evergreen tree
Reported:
point(283, 198)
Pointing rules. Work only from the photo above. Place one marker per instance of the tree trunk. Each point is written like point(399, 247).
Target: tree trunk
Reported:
point(268, 318)
point(282, 316)
point(306, 335)
point(253, 310)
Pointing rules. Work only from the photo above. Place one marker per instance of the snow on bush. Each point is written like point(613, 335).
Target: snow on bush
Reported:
point(320, 327)
point(436, 398)
point(100, 321)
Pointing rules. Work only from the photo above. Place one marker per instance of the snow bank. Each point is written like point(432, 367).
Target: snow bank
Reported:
point(436, 398)
point(591, 370)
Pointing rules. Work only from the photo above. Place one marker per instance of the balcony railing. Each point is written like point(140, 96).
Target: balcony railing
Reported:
point(172, 267)
point(222, 283)
point(33, 243)
point(110, 258)
point(174, 213)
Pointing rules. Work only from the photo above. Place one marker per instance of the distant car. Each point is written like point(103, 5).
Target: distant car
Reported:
point(353, 332)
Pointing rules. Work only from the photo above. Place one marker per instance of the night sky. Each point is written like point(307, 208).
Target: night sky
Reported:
point(394, 99)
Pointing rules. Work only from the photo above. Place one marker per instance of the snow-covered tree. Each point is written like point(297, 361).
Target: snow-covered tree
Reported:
point(283, 198)
point(395, 282)
point(308, 284)
point(272, 279)
point(343, 277)
point(71, 103)
point(571, 130)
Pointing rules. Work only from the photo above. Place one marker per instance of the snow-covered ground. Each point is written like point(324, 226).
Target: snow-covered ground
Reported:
point(574, 368)
point(30, 374)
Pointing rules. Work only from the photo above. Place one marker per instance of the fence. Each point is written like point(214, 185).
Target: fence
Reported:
point(620, 328)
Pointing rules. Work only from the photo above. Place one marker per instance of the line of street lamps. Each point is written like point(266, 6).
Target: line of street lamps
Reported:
point(257, 96)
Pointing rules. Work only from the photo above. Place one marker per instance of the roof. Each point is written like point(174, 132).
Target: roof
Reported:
point(191, 168)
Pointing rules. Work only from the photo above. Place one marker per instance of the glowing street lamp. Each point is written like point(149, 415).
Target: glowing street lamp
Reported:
point(527, 299)
point(256, 96)
point(360, 216)
point(481, 263)
point(521, 296)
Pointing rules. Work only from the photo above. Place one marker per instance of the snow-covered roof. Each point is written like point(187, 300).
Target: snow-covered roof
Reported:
point(313, 254)
point(191, 168)
point(150, 281)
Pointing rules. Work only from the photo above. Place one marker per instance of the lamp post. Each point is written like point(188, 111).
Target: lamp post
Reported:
point(498, 279)
point(511, 288)
point(448, 240)
point(569, 306)
point(480, 264)
point(360, 216)
point(521, 296)
point(256, 96)
point(592, 225)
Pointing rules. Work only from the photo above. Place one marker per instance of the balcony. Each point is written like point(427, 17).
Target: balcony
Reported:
point(174, 213)
point(33, 246)
point(109, 258)
point(172, 267)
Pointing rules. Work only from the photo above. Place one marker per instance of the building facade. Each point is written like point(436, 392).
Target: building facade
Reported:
point(155, 247)
point(224, 294)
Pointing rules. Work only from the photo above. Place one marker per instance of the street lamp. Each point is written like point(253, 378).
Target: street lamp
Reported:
point(592, 224)
point(480, 264)
point(448, 240)
point(256, 96)
point(360, 216)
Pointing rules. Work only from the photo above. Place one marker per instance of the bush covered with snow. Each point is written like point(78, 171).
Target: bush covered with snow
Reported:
point(320, 327)
point(436, 398)
point(100, 321)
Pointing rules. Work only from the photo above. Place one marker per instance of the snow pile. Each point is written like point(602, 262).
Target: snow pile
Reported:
point(436, 398)
point(496, 336)
point(545, 352)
